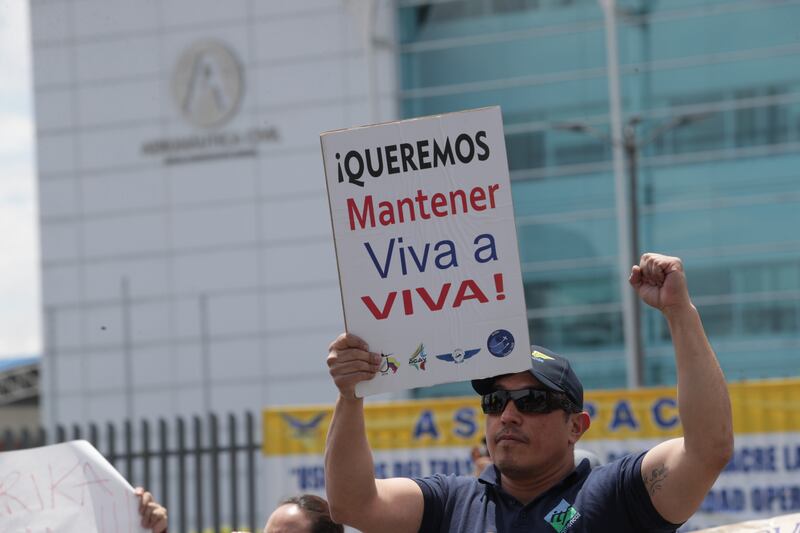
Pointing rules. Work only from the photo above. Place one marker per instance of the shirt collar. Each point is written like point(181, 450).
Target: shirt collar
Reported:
point(491, 476)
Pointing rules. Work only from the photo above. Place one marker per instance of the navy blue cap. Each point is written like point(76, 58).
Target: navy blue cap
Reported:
point(551, 369)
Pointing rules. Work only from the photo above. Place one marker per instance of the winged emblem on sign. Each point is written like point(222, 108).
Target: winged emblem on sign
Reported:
point(458, 356)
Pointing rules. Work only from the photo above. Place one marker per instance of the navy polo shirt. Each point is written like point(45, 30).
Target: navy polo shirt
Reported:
point(610, 497)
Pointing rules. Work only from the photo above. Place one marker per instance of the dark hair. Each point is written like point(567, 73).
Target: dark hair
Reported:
point(317, 510)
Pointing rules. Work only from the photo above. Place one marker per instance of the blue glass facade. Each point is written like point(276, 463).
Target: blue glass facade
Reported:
point(711, 90)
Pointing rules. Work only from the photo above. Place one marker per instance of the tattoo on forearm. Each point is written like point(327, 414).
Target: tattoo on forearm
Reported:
point(654, 481)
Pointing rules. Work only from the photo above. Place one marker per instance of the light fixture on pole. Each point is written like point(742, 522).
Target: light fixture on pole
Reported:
point(628, 226)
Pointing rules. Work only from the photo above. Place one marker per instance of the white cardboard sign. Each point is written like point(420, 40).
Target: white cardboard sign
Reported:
point(426, 246)
point(65, 488)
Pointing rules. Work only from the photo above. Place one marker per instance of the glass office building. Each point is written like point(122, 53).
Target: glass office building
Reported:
point(711, 102)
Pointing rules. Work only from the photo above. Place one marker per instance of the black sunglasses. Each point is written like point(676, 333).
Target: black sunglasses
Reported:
point(538, 401)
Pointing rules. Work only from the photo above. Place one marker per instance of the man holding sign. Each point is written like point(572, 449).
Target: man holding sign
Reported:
point(534, 419)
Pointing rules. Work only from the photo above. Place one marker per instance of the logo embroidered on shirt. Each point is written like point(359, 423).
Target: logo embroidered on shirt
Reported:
point(562, 516)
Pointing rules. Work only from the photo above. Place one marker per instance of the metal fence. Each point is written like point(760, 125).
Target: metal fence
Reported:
point(206, 482)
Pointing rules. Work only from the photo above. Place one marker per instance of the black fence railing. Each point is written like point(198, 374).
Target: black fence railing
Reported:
point(204, 474)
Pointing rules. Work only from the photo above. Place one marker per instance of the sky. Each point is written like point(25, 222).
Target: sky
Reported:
point(20, 323)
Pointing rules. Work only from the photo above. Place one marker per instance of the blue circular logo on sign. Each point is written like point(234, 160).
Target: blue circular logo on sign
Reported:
point(500, 343)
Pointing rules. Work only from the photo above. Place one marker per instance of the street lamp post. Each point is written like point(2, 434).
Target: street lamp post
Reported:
point(630, 304)
point(625, 147)
point(629, 145)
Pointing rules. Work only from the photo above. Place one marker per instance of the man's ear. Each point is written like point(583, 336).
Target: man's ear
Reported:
point(579, 423)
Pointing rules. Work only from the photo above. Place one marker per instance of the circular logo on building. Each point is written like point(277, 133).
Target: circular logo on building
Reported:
point(207, 84)
point(500, 343)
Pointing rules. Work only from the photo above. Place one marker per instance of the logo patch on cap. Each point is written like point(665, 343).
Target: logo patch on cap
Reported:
point(539, 356)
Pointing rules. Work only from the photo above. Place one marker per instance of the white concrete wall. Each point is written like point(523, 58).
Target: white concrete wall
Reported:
point(246, 238)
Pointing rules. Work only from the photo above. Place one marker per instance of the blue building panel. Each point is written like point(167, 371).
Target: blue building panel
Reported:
point(711, 92)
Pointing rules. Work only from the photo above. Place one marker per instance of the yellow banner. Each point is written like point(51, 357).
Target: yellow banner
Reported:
point(443, 422)
point(758, 407)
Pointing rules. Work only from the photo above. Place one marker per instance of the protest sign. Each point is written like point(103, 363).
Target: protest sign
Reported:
point(65, 488)
point(426, 246)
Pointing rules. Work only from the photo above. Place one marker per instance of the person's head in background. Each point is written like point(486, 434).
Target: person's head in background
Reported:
point(480, 458)
point(302, 514)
